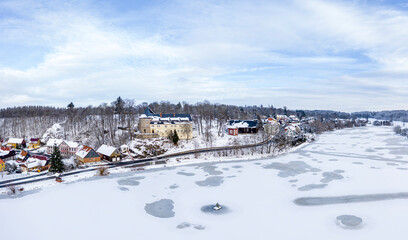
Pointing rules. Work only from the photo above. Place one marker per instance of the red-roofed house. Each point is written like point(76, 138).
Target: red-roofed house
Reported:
point(87, 155)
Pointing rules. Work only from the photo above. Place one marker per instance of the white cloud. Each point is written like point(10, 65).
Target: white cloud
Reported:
point(303, 54)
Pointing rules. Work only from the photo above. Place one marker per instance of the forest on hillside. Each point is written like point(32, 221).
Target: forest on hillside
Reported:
point(112, 123)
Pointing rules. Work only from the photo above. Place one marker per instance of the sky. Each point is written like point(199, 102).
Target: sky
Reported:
point(338, 55)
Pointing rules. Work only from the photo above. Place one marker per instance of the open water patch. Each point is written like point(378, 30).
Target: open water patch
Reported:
point(310, 187)
point(133, 181)
point(124, 189)
point(349, 221)
point(318, 201)
point(161, 209)
point(292, 168)
point(186, 174)
point(213, 181)
point(211, 169)
point(174, 186)
point(210, 209)
point(330, 176)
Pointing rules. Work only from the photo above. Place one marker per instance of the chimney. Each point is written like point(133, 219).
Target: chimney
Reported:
point(174, 114)
point(160, 114)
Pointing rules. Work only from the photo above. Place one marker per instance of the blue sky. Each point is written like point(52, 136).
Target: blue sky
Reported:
point(340, 55)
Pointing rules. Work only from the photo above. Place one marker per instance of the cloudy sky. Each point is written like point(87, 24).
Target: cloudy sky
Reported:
point(340, 55)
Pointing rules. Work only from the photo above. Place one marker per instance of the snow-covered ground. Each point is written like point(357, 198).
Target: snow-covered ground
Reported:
point(263, 199)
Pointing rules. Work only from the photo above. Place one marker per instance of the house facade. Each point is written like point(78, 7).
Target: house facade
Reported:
point(16, 143)
point(34, 143)
point(23, 156)
point(2, 165)
point(68, 148)
point(161, 125)
point(53, 142)
point(7, 155)
point(247, 126)
point(109, 153)
point(232, 130)
point(87, 155)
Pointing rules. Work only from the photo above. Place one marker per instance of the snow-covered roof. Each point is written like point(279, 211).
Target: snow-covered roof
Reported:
point(54, 141)
point(83, 151)
point(106, 150)
point(34, 162)
point(72, 144)
point(15, 140)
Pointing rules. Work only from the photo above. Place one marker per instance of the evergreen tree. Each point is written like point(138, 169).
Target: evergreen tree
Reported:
point(56, 161)
point(71, 105)
point(119, 105)
point(175, 137)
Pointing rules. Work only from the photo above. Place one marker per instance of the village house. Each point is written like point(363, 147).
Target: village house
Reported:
point(109, 153)
point(16, 143)
point(161, 125)
point(124, 148)
point(87, 155)
point(23, 156)
point(68, 148)
point(271, 126)
point(34, 143)
point(7, 155)
point(35, 163)
point(2, 165)
point(51, 143)
point(249, 126)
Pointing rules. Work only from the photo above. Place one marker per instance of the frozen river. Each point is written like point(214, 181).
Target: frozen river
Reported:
point(349, 184)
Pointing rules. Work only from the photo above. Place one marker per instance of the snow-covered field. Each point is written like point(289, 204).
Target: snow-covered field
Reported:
point(262, 199)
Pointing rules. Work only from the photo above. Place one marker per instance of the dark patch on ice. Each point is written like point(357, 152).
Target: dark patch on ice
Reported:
point(349, 221)
point(257, 163)
point(124, 188)
point(370, 150)
point(311, 187)
point(185, 174)
point(161, 209)
point(237, 166)
point(392, 164)
point(19, 194)
point(211, 169)
point(293, 180)
point(338, 171)
point(183, 225)
point(210, 209)
point(401, 168)
point(225, 169)
point(333, 160)
point(130, 181)
point(314, 173)
point(292, 168)
point(330, 176)
point(375, 167)
point(359, 163)
point(199, 227)
point(174, 186)
point(317, 201)
point(293, 185)
point(212, 181)
point(231, 176)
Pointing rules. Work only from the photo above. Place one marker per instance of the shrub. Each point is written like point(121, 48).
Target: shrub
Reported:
point(12, 189)
point(102, 171)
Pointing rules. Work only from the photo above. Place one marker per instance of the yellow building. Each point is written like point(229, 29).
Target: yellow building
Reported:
point(2, 165)
point(163, 129)
point(161, 125)
point(34, 143)
point(16, 143)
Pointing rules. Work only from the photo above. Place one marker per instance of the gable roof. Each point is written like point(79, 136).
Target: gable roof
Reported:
point(34, 162)
point(148, 112)
point(243, 124)
point(54, 141)
point(15, 140)
point(83, 151)
point(34, 140)
point(106, 150)
point(72, 144)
